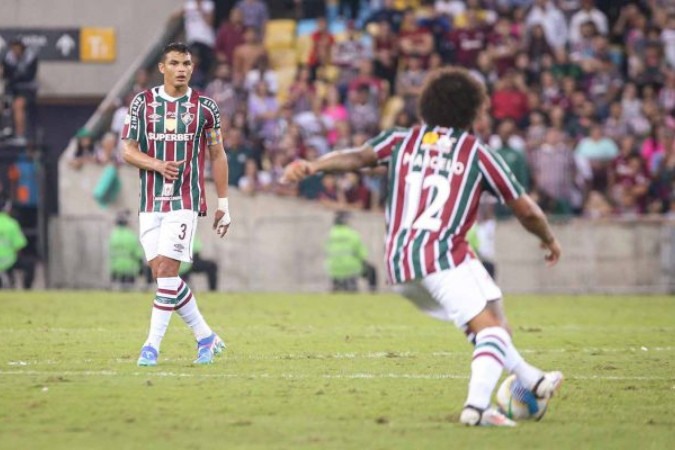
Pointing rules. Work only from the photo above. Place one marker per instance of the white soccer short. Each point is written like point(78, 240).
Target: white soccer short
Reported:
point(169, 234)
point(456, 295)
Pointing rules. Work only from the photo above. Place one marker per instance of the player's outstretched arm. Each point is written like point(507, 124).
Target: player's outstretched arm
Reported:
point(338, 161)
point(533, 219)
point(221, 173)
point(134, 156)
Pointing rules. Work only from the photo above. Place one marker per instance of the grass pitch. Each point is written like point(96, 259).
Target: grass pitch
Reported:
point(322, 372)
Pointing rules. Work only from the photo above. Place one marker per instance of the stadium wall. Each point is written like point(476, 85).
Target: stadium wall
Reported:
point(136, 22)
point(276, 244)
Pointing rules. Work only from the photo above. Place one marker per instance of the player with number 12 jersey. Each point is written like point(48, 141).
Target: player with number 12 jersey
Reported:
point(436, 177)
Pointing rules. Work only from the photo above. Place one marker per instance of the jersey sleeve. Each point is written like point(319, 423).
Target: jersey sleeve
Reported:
point(134, 122)
point(211, 113)
point(384, 143)
point(499, 179)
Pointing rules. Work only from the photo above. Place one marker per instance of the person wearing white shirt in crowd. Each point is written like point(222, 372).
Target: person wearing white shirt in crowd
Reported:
point(200, 34)
point(587, 13)
point(545, 13)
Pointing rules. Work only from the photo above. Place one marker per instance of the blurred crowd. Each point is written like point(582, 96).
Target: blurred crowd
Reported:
point(582, 93)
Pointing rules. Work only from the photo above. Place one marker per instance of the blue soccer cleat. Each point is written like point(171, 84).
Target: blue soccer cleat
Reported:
point(148, 356)
point(207, 348)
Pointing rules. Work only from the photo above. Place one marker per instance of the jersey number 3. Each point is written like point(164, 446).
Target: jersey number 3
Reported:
point(429, 219)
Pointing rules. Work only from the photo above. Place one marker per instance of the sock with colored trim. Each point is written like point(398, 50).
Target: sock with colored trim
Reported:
point(165, 301)
point(188, 310)
point(487, 365)
point(525, 372)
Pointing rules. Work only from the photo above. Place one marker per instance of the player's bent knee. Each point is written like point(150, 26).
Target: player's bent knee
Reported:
point(484, 319)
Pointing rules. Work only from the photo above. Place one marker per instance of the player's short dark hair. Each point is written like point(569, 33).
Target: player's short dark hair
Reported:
point(451, 97)
point(177, 47)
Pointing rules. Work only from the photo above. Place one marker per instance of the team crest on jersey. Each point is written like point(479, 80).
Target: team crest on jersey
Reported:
point(187, 117)
point(170, 121)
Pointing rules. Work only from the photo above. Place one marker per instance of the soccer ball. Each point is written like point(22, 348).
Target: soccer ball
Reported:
point(517, 402)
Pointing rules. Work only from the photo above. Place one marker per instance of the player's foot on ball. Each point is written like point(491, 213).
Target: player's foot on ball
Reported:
point(148, 356)
point(207, 348)
point(548, 385)
point(489, 417)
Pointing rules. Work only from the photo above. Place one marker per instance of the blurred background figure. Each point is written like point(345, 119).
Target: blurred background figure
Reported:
point(347, 257)
point(19, 70)
point(200, 265)
point(125, 253)
point(12, 241)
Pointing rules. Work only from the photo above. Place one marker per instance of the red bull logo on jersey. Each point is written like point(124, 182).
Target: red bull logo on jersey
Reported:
point(171, 137)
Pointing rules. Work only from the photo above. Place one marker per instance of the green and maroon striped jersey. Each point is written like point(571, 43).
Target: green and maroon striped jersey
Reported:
point(172, 129)
point(436, 177)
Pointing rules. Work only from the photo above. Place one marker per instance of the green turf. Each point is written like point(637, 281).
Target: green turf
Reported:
point(323, 372)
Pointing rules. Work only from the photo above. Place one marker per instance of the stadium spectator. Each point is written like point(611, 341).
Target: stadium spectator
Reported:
point(223, 91)
point(12, 242)
point(551, 19)
point(322, 47)
point(247, 55)
point(229, 36)
point(413, 40)
point(237, 154)
point(263, 108)
point(387, 13)
point(553, 173)
point(254, 14)
point(509, 99)
point(85, 151)
point(409, 83)
point(588, 12)
point(19, 70)
point(261, 71)
point(198, 16)
point(599, 151)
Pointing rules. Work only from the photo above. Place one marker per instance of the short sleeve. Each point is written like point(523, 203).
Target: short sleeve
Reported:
point(384, 143)
point(134, 121)
point(499, 179)
point(212, 114)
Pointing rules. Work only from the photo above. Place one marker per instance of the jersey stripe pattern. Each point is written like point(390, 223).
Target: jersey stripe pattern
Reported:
point(172, 130)
point(436, 178)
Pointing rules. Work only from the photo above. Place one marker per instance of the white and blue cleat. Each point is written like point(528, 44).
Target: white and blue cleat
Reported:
point(148, 356)
point(207, 348)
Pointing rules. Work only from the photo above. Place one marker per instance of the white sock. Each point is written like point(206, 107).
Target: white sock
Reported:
point(188, 310)
point(165, 299)
point(526, 373)
point(487, 365)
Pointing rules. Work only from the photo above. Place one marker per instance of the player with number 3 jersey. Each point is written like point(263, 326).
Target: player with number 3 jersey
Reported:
point(437, 172)
point(166, 135)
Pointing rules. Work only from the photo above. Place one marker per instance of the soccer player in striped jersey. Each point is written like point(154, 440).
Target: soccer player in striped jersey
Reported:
point(166, 135)
point(437, 172)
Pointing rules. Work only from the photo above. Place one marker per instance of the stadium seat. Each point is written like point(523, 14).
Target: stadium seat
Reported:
point(303, 47)
point(285, 78)
point(280, 33)
point(283, 57)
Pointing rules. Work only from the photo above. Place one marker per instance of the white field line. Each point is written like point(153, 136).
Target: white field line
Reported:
point(367, 355)
point(296, 376)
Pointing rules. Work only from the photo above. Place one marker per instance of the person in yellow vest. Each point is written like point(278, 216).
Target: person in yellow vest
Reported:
point(12, 240)
point(125, 254)
point(347, 257)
